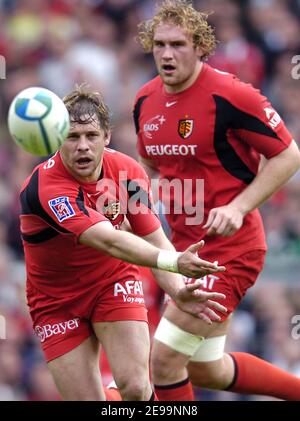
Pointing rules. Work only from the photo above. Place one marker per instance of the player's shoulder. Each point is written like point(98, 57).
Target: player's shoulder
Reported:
point(119, 161)
point(54, 169)
point(34, 176)
point(148, 88)
point(230, 87)
point(50, 175)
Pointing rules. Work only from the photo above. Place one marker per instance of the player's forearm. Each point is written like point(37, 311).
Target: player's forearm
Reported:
point(169, 282)
point(136, 251)
point(273, 175)
point(133, 249)
point(126, 246)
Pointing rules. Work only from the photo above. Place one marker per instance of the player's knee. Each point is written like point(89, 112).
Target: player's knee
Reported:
point(134, 389)
point(134, 384)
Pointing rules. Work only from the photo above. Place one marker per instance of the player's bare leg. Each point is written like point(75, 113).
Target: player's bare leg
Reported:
point(209, 366)
point(169, 366)
point(163, 356)
point(127, 346)
point(76, 373)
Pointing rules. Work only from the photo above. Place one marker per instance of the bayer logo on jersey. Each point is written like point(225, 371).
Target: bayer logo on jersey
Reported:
point(38, 121)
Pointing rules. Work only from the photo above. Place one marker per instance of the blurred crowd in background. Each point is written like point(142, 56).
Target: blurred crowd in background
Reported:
point(57, 43)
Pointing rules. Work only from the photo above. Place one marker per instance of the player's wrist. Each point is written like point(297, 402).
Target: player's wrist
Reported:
point(241, 206)
point(168, 260)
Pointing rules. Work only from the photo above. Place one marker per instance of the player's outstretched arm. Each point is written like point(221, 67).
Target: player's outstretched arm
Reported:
point(120, 244)
point(133, 249)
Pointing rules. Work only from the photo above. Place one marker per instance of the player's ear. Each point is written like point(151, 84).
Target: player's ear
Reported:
point(107, 139)
point(199, 52)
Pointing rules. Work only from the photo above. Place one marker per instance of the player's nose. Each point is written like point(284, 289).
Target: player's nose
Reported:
point(167, 53)
point(82, 143)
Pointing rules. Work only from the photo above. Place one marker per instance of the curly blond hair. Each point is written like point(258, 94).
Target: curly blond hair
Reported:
point(84, 105)
point(182, 14)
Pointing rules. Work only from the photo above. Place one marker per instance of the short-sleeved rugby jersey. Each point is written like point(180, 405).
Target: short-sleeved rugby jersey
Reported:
point(57, 209)
point(213, 132)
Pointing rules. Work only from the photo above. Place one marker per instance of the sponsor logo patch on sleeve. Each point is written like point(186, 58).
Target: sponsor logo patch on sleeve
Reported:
point(62, 208)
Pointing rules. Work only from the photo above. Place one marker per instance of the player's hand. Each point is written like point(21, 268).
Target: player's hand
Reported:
point(190, 265)
point(225, 221)
point(199, 303)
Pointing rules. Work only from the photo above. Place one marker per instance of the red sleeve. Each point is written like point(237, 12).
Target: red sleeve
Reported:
point(66, 207)
point(256, 122)
point(140, 98)
point(140, 211)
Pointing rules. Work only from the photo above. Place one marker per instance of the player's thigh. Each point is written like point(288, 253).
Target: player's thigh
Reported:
point(194, 325)
point(77, 374)
point(127, 346)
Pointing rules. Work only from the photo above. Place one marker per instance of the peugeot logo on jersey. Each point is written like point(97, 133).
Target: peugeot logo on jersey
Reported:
point(185, 128)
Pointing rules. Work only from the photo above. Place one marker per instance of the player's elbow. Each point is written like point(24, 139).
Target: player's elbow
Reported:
point(297, 156)
point(294, 157)
point(290, 159)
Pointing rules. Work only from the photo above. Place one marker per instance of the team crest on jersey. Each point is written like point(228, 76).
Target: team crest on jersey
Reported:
point(112, 210)
point(62, 208)
point(185, 128)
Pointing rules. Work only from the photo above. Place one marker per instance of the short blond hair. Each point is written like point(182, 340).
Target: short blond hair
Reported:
point(84, 105)
point(182, 14)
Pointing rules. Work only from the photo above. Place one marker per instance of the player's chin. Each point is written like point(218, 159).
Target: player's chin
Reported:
point(168, 79)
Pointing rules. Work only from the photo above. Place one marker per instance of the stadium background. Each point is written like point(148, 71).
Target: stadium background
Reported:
point(55, 43)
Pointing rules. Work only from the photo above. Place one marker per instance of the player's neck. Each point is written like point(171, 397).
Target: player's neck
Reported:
point(180, 87)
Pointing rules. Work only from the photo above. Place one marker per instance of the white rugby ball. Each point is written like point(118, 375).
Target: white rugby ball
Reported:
point(38, 121)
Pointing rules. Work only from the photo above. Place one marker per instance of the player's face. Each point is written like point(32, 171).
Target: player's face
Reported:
point(82, 151)
point(176, 57)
